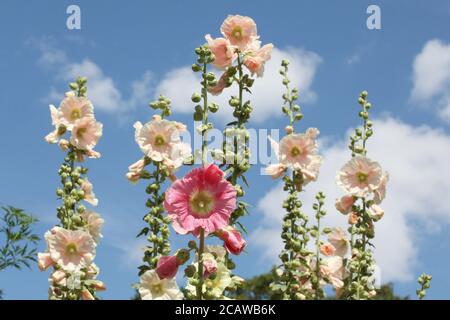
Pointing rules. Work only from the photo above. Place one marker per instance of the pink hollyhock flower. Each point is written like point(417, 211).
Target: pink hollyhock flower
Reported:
point(98, 285)
point(276, 170)
point(353, 218)
point(232, 239)
point(74, 108)
point(376, 212)
point(380, 191)
point(220, 86)
point(255, 61)
point(202, 199)
point(209, 264)
point(345, 204)
point(360, 176)
point(239, 30)
point(45, 261)
point(338, 238)
point(327, 249)
point(135, 170)
point(167, 267)
point(94, 224)
point(85, 133)
point(333, 269)
point(223, 51)
point(59, 277)
point(89, 195)
point(70, 249)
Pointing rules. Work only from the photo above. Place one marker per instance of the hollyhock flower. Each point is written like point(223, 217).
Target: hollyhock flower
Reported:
point(220, 86)
point(222, 280)
point(239, 30)
point(87, 295)
point(223, 51)
point(353, 218)
point(255, 61)
point(85, 133)
point(64, 144)
point(59, 277)
point(344, 204)
point(338, 238)
point(135, 170)
point(89, 195)
point(60, 128)
point(375, 212)
point(167, 267)
point(218, 251)
point(327, 249)
point(98, 285)
point(45, 261)
point(94, 224)
point(74, 108)
point(203, 199)
point(156, 138)
point(151, 287)
point(180, 153)
point(232, 240)
point(333, 270)
point(359, 176)
point(209, 264)
point(380, 191)
point(276, 170)
point(70, 249)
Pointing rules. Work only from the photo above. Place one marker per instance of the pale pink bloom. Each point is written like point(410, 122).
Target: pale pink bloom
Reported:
point(338, 238)
point(239, 30)
point(135, 170)
point(64, 144)
point(179, 154)
point(60, 128)
point(92, 271)
point(85, 133)
point(344, 204)
point(151, 287)
point(255, 61)
point(45, 261)
point(59, 277)
point(209, 264)
point(312, 133)
point(327, 249)
point(94, 224)
point(98, 285)
point(167, 267)
point(87, 295)
point(360, 176)
point(74, 108)
point(232, 238)
point(376, 212)
point(380, 191)
point(70, 249)
point(353, 218)
point(276, 170)
point(223, 51)
point(157, 138)
point(203, 199)
point(333, 270)
point(89, 195)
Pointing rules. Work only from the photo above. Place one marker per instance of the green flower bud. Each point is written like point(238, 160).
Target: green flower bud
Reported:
point(198, 116)
point(73, 86)
point(196, 98)
point(210, 76)
point(284, 63)
point(196, 68)
point(213, 107)
point(234, 102)
point(189, 271)
point(59, 192)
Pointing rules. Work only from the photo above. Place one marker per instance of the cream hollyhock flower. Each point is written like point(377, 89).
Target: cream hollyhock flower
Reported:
point(380, 192)
point(94, 224)
point(151, 287)
point(334, 271)
point(71, 250)
point(215, 286)
point(135, 170)
point(157, 138)
point(376, 212)
point(60, 128)
point(89, 195)
point(218, 251)
point(338, 238)
point(180, 153)
point(360, 176)
point(74, 108)
point(85, 133)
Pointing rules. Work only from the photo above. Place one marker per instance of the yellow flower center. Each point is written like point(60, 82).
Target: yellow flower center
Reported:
point(71, 248)
point(75, 114)
point(362, 177)
point(81, 132)
point(237, 33)
point(159, 140)
point(296, 151)
point(201, 203)
point(157, 289)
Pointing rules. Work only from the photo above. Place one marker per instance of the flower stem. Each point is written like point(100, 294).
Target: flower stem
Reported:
point(201, 248)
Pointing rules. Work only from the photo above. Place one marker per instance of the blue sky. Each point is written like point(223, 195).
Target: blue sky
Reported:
point(133, 49)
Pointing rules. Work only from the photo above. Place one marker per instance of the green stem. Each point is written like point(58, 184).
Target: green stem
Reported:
point(201, 248)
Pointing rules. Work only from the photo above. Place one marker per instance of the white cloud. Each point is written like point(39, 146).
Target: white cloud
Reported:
point(417, 190)
point(102, 89)
point(431, 77)
point(179, 85)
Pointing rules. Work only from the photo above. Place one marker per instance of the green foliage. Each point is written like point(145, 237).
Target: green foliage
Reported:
point(19, 247)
